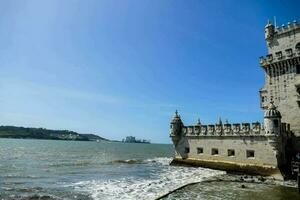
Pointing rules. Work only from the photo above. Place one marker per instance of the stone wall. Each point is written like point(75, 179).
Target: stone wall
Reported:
point(264, 153)
point(236, 147)
point(258, 154)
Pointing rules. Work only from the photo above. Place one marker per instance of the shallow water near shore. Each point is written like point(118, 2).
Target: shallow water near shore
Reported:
point(46, 169)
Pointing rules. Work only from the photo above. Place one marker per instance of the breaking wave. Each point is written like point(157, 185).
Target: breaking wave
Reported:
point(163, 179)
point(164, 161)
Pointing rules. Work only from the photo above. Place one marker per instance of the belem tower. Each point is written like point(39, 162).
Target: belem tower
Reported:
point(265, 149)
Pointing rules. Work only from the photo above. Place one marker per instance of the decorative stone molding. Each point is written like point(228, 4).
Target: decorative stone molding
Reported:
point(236, 129)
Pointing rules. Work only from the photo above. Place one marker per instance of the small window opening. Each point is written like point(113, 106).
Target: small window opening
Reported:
point(276, 123)
point(270, 57)
point(298, 47)
point(289, 52)
point(231, 152)
point(187, 150)
point(250, 154)
point(298, 69)
point(214, 151)
point(278, 54)
point(298, 89)
point(199, 150)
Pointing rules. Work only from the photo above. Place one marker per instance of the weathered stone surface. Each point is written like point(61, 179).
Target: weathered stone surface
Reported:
point(250, 150)
point(282, 72)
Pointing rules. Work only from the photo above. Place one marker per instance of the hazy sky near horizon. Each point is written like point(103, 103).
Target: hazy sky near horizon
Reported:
point(122, 67)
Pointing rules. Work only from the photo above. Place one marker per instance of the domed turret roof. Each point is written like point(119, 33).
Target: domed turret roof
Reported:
point(272, 112)
point(176, 118)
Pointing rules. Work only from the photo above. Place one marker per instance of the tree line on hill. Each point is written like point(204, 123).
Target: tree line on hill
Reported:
point(42, 133)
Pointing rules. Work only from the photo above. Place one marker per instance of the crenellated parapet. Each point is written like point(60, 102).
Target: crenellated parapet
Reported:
point(272, 127)
point(283, 44)
point(236, 129)
point(224, 129)
point(287, 27)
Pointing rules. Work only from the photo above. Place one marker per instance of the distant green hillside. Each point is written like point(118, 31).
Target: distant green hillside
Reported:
point(41, 133)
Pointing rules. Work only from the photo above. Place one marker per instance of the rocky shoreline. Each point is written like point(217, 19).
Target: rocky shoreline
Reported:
point(238, 178)
point(252, 179)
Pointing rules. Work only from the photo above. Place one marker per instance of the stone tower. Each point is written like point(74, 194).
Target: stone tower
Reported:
point(282, 72)
point(272, 120)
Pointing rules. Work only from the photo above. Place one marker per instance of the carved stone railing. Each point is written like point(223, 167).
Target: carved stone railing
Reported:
point(273, 59)
point(224, 130)
point(244, 129)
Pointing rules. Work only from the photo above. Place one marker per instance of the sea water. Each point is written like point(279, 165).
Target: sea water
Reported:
point(49, 169)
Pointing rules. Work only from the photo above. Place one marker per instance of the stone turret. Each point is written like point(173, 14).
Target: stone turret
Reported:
point(176, 128)
point(269, 31)
point(272, 120)
point(276, 135)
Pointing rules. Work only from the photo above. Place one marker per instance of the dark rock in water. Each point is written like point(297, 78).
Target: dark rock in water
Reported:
point(243, 186)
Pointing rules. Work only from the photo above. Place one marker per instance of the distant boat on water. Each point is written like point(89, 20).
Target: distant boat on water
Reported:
point(132, 139)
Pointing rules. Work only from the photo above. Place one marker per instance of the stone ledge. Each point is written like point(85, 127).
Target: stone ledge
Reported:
point(233, 167)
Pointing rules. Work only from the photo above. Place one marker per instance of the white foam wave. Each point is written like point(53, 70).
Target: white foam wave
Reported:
point(160, 160)
point(165, 179)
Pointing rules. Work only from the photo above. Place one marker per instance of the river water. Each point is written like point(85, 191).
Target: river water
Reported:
point(48, 169)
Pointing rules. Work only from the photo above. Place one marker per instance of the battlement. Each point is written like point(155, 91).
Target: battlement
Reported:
point(236, 129)
point(283, 55)
point(288, 27)
point(283, 43)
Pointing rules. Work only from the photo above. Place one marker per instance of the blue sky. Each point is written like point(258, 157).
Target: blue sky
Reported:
point(118, 68)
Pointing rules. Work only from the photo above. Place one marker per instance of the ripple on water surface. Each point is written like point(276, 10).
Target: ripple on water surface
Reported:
point(39, 169)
